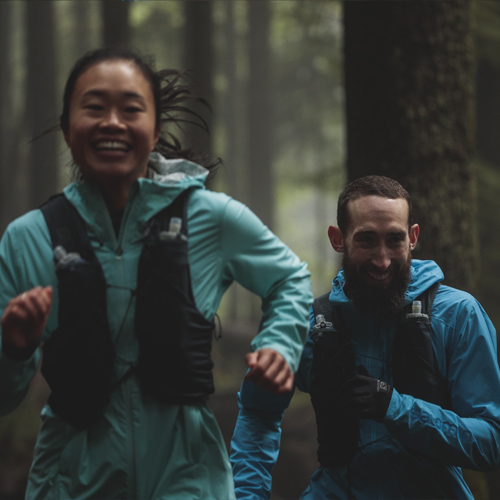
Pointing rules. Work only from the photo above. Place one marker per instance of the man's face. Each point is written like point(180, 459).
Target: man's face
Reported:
point(377, 252)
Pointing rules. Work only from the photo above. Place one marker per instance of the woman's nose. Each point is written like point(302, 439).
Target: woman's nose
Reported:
point(112, 119)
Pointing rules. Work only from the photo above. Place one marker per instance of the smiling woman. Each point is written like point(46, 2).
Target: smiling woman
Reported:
point(100, 280)
point(112, 127)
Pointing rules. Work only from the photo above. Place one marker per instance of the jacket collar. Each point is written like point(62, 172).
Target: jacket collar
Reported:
point(423, 274)
point(147, 196)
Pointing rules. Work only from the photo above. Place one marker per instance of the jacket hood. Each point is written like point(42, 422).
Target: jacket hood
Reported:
point(423, 274)
point(147, 197)
point(174, 171)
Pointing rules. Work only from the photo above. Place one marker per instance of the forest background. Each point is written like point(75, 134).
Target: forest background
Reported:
point(305, 95)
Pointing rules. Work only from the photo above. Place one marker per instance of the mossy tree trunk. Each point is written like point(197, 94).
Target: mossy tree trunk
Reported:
point(409, 76)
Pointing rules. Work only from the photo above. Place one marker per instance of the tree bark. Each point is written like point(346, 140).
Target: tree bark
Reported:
point(260, 114)
point(410, 115)
point(5, 126)
point(41, 101)
point(198, 59)
point(116, 28)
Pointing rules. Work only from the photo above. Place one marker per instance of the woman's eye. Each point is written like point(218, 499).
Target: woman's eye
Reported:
point(94, 107)
point(132, 109)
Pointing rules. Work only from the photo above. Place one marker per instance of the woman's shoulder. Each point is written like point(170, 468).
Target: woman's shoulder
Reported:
point(31, 223)
point(218, 204)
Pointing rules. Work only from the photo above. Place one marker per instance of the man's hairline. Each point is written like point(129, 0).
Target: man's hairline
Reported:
point(409, 225)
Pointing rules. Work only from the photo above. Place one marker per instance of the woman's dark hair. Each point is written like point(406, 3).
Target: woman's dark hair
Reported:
point(370, 185)
point(172, 92)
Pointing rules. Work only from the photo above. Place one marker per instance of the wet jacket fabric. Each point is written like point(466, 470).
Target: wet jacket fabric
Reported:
point(418, 450)
point(141, 448)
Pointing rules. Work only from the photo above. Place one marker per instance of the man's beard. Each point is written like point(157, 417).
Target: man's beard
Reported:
point(372, 300)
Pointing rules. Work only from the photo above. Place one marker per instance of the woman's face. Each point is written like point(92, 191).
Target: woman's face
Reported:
point(112, 122)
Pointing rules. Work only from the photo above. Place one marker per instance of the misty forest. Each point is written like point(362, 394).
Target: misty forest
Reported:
point(305, 95)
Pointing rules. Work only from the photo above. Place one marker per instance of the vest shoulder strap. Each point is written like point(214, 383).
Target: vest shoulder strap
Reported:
point(66, 227)
point(426, 299)
point(322, 305)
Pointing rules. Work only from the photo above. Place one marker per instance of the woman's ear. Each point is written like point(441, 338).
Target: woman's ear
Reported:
point(336, 238)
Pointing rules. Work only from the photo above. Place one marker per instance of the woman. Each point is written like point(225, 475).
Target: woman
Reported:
point(118, 280)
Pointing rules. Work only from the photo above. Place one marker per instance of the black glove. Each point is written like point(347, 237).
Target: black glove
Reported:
point(364, 397)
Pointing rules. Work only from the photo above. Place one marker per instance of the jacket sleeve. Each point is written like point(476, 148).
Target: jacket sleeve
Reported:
point(469, 434)
point(260, 262)
point(256, 441)
point(15, 376)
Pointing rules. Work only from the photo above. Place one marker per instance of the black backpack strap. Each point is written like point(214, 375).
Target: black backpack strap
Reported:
point(66, 227)
point(427, 298)
point(322, 305)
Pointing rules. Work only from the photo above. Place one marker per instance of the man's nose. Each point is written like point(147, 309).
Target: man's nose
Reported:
point(381, 258)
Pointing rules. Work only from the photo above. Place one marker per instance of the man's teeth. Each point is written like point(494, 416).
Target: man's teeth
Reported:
point(378, 277)
point(112, 145)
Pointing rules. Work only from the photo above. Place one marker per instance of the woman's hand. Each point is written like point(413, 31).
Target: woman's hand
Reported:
point(24, 318)
point(269, 370)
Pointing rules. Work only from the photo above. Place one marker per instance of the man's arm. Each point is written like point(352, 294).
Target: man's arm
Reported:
point(468, 435)
point(256, 440)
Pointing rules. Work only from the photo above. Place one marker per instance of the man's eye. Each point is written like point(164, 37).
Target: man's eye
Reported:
point(132, 109)
point(94, 107)
point(365, 239)
point(396, 240)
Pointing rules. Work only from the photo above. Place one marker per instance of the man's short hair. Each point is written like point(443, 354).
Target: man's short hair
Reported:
point(370, 185)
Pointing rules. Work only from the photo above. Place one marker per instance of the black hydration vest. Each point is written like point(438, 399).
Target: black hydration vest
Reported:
point(174, 363)
point(414, 370)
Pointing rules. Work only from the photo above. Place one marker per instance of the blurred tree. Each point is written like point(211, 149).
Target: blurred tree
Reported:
point(5, 112)
point(41, 100)
point(198, 57)
point(82, 39)
point(260, 114)
point(487, 37)
point(116, 27)
point(409, 100)
point(488, 82)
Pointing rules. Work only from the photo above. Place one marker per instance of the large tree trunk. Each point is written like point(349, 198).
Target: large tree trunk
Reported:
point(198, 58)
point(260, 114)
point(41, 101)
point(116, 28)
point(410, 115)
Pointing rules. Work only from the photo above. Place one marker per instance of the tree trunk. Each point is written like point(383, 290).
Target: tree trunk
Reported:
point(82, 41)
point(116, 28)
point(198, 59)
point(260, 114)
point(41, 101)
point(410, 115)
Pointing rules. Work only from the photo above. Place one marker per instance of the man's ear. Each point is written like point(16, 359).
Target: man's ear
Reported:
point(336, 238)
point(414, 231)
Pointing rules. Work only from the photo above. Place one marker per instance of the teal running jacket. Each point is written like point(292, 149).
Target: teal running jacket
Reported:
point(141, 448)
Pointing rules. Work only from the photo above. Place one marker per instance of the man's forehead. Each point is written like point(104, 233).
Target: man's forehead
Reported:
point(370, 212)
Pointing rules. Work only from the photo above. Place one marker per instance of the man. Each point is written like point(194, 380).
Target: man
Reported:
point(403, 398)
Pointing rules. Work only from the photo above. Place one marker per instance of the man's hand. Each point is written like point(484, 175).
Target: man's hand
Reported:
point(24, 319)
point(269, 370)
point(364, 397)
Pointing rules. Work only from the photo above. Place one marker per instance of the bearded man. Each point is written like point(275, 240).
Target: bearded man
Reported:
point(402, 370)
